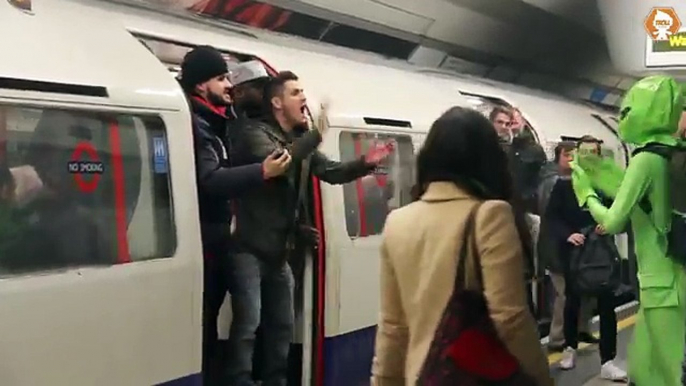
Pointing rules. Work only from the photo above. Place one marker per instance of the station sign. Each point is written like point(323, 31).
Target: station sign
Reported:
point(665, 39)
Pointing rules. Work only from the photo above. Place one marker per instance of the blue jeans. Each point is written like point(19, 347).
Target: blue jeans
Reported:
point(260, 294)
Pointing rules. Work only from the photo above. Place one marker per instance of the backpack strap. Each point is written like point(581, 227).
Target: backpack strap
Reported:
point(664, 151)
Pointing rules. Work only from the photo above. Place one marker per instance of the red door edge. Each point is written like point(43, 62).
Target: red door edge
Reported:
point(123, 255)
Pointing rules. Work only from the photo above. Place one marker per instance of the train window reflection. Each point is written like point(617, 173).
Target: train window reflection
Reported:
point(369, 199)
point(82, 188)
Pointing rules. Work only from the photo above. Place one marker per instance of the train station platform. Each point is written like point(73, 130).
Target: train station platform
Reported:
point(587, 368)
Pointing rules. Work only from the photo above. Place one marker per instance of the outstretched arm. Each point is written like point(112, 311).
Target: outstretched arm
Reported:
point(637, 179)
point(334, 172)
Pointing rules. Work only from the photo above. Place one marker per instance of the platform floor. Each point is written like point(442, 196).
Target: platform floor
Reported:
point(588, 360)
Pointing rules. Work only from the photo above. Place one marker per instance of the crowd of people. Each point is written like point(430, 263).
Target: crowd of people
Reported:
point(483, 184)
point(255, 152)
point(463, 229)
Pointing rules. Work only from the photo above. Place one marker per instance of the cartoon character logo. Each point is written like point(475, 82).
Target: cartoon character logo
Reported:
point(662, 23)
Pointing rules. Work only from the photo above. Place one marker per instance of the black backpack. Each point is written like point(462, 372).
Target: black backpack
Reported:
point(676, 155)
point(595, 265)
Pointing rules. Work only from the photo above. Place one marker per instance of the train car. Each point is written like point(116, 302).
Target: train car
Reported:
point(101, 264)
point(91, 96)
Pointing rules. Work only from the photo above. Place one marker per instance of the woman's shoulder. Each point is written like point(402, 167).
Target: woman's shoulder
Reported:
point(410, 215)
point(495, 207)
point(404, 214)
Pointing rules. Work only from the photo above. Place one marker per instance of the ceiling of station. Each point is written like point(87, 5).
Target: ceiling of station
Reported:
point(556, 45)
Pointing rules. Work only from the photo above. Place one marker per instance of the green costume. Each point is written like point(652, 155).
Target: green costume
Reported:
point(650, 113)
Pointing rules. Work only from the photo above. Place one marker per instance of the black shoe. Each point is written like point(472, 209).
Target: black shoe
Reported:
point(588, 338)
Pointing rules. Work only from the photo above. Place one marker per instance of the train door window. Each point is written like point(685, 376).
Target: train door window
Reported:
point(368, 200)
point(171, 52)
point(485, 104)
point(82, 188)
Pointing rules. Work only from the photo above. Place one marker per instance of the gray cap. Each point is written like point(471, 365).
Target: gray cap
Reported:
point(246, 72)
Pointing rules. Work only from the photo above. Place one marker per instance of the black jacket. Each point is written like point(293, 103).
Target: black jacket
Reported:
point(525, 159)
point(563, 217)
point(266, 217)
point(217, 181)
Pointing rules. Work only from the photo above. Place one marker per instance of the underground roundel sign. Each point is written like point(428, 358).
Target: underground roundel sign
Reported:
point(86, 167)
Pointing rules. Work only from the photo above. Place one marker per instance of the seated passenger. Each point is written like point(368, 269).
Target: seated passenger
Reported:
point(53, 231)
point(28, 183)
point(7, 186)
point(460, 166)
point(204, 79)
point(8, 225)
point(267, 222)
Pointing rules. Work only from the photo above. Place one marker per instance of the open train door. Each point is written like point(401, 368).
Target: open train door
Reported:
point(306, 354)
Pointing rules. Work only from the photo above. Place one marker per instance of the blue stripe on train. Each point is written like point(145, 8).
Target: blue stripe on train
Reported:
point(348, 358)
point(188, 380)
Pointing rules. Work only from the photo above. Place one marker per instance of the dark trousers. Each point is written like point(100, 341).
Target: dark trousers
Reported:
point(261, 296)
point(606, 313)
point(215, 285)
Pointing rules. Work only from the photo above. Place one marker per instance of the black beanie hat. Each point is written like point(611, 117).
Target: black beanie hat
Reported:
point(200, 65)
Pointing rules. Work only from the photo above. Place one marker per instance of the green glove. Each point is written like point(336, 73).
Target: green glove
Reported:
point(583, 189)
point(604, 173)
point(587, 161)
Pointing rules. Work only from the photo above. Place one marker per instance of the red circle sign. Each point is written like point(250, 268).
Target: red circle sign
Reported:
point(91, 166)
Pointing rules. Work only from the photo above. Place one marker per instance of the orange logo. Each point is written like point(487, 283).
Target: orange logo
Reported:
point(661, 23)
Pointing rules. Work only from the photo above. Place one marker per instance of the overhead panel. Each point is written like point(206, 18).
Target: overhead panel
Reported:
point(387, 14)
point(498, 39)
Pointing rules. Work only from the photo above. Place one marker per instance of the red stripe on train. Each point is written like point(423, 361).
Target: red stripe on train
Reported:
point(123, 255)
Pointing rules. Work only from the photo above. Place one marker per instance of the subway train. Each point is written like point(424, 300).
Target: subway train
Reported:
point(90, 113)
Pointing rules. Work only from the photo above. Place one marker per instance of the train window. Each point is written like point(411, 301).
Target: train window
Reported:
point(369, 199)
point(81, 189)
point(485, 104)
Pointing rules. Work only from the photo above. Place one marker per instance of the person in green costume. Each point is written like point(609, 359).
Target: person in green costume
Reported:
point(650, 113)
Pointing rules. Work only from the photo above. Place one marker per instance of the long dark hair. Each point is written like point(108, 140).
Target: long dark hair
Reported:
point(462, 147)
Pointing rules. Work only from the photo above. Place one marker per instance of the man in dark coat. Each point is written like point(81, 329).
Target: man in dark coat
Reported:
point(268, 223)
point(204, 78)
point(548, 253)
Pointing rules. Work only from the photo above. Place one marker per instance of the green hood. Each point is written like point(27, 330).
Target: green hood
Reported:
point(650, 111)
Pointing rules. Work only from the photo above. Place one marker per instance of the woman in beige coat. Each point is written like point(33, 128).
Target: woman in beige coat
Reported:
point(460, 164)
